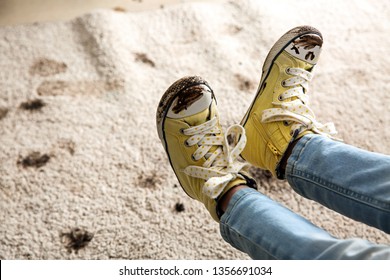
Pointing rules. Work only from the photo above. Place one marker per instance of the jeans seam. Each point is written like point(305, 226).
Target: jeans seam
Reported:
point(359, 197)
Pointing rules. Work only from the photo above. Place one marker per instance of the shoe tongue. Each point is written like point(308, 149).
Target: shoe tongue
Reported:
point(306, 48)
point(304, 65)
point(192, 105)
point(199, 118)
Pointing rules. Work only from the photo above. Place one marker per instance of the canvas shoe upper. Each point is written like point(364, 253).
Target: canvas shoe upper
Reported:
point(198, 150)
point(280, 113)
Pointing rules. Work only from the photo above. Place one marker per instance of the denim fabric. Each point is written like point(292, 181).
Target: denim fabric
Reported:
point(346, 179)
point(351, 181)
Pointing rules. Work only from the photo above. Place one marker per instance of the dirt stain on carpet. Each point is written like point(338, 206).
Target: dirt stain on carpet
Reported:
point(34, 159)
point(45, 67)
point(76, 239)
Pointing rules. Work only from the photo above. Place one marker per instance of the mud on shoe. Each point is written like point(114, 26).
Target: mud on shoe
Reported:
point(280, 113)
point(198, 150)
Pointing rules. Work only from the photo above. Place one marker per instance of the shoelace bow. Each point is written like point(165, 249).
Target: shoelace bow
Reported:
point(221, 166)
point(297, 110)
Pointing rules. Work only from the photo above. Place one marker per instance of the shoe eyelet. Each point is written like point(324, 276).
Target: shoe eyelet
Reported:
point(280, 98)
point(288, 70)
point(291, 133)
point(286, 123)
point(283, 83)
point(181, 131)
point(192, 157)
point(186, 144)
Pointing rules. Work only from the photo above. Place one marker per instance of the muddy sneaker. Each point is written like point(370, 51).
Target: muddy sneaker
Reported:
point(280, 112)
point(199, 152)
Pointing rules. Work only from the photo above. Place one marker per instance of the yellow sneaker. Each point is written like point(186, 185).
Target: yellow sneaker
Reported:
point(199, 152)
point(280, 114)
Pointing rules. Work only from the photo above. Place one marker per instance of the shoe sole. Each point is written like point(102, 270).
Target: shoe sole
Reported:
point(169, 96)
point(276, 49)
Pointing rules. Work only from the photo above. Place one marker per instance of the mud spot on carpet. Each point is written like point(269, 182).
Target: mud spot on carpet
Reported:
point(113, 84)
point(179, 207)
point(67, 145)
point(244, 84)
point(76, 239)
point(74, 88)
point(52, 88)
point(34, 159)
point(142, 57)
point(150, 180)
point(27, 256)
point(233, 29)
point(3, 113)
point(32, 105)
point(46, 67)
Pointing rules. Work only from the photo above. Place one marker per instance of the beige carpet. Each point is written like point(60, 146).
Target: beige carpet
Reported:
point(83, 174)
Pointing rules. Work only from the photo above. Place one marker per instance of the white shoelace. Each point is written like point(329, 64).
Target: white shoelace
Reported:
point(221, 166)
point(297, 110)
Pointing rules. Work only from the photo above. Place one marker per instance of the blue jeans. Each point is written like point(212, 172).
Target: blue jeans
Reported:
point(351, 181)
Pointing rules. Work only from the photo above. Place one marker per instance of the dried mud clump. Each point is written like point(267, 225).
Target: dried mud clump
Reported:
point(142, 57)
point(76, 239)
point(32, 105)
point(179, 207)
point(34, 159)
